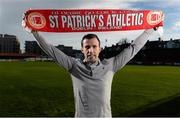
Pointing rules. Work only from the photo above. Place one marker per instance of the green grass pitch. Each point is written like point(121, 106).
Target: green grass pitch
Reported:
point(45, 89)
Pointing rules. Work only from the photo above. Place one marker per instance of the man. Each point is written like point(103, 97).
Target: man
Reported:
point(92, 78)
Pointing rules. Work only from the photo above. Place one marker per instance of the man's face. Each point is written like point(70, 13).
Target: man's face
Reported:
point(91, 50)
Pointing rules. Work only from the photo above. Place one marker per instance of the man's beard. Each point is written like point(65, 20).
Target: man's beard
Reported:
point(91, 59)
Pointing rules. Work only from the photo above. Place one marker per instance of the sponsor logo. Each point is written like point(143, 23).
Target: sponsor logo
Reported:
point(36, 20)
point(154, 17)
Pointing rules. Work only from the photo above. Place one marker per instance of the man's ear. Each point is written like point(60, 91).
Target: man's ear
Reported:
point(100, 49)
point(82, 50)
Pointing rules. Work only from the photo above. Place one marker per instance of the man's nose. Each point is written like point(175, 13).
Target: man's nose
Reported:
point(91, 49)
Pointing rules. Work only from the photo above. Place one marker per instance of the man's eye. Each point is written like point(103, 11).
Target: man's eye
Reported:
point(87, 47)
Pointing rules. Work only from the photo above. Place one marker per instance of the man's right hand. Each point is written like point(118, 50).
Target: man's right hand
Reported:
point(27, 29)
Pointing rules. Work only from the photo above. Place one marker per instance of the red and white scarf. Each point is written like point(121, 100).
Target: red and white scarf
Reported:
point(92, 20)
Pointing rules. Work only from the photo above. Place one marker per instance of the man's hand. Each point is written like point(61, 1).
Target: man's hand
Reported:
point(155, 28)
point(25, 26)
point(159, 29)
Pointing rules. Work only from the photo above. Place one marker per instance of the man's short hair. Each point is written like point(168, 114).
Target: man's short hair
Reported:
point(90, 36)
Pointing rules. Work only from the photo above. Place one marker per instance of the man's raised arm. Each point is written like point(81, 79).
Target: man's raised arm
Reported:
point(55, 53)
point(127, 54)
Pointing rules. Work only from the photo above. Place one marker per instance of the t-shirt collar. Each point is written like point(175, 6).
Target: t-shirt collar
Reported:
point(92, 64)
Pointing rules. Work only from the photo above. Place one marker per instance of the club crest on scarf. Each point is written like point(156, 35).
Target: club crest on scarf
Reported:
point(37, 20)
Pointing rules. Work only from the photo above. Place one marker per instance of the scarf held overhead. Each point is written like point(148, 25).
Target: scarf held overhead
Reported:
point(92, 20)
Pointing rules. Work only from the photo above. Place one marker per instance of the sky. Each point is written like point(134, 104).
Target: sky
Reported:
point(11, 13)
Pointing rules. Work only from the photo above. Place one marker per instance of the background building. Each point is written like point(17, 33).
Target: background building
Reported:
point(9, 44)
point(31, 47)
point(159, 52)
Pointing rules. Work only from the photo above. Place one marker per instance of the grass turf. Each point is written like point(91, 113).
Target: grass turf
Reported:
point(44, 89)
